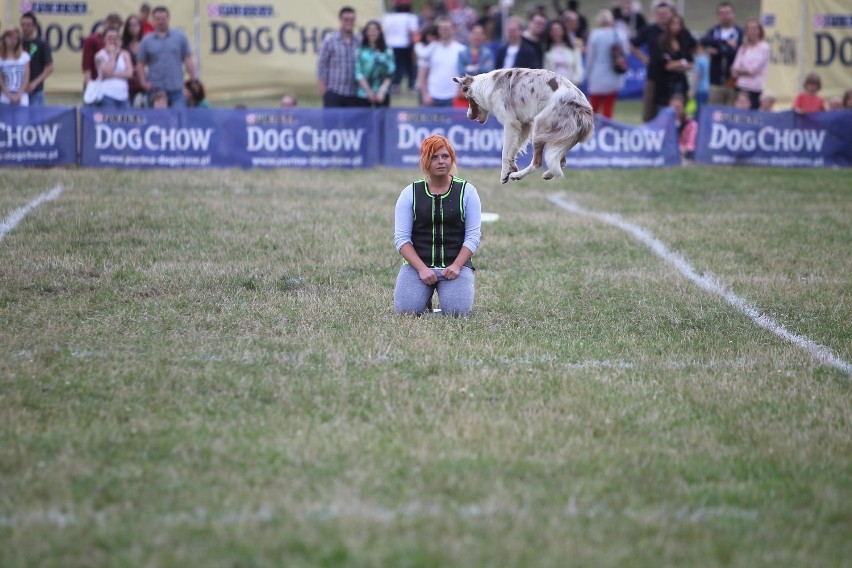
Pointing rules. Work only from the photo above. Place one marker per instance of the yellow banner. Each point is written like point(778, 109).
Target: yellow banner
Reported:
point(267, 49)
point(64, 26)
point(808, 36)
point(829, 45)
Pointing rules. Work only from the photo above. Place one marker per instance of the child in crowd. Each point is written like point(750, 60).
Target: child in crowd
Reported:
point(835, 103)
point(193, 92)
point(809, 100)
point(289, 101)
point(701, 78)
point(767, 102)
point(160, 100)
point(687, 128)
point(742, 101)
point(847, 100)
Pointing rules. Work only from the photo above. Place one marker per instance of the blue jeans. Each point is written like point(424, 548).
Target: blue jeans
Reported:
point(37, 98)
point(442, 102)
point(110, 103)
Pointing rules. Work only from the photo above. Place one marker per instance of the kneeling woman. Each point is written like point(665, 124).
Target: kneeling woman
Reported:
point(437, 230)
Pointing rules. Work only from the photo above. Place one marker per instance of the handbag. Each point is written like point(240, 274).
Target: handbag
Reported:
point(619, 59)
point(94, 92)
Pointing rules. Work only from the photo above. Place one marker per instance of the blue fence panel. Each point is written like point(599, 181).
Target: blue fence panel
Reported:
point(38, 136)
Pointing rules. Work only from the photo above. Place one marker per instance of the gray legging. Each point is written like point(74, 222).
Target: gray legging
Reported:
point(411, 294)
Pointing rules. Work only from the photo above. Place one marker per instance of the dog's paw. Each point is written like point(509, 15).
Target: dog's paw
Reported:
point(504, 179)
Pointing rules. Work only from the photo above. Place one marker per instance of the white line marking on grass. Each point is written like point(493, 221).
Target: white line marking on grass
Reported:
point(17, 215)
point(707, 282)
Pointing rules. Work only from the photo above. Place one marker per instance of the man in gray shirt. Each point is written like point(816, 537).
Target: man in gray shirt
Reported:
point(165, 52)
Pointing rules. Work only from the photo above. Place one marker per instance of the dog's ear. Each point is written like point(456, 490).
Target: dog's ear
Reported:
point(459, 80)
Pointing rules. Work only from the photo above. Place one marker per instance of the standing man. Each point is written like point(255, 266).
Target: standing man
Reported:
point(440, 66)
point(94, 43)
point(336, 64)
point(721, 42)
point(41, 60)
point(649, 37)
point(533, 36)
point(166, 52)
point(515, 52)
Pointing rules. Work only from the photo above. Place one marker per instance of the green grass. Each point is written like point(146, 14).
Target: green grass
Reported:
point(203, 368)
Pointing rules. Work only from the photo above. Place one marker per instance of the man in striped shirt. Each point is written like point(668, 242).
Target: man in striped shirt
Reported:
point(336, 65)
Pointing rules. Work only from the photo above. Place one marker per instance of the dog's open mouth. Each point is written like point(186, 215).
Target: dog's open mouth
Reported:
point(475, 113)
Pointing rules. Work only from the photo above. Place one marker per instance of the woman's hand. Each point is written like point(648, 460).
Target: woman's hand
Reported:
point(451, 272)
point(427, 275)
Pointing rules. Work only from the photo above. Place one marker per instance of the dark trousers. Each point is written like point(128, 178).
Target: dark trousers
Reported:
point(404, 59)
point(649, 106)
point(335, 100)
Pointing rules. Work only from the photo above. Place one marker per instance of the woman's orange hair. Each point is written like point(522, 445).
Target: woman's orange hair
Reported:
point(428, 148)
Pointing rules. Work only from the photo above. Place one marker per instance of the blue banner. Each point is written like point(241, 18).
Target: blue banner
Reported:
point(634, 79)
point(727, 136)
point(617, 145)
point(307, 138)
point(200, 138)
point(613, 145)
point(476, 145)
point(153, 138)
point(38, 136)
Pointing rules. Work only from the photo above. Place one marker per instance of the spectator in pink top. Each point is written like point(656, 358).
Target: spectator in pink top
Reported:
point(687, 128)
point(751, 62)
point(808, 100)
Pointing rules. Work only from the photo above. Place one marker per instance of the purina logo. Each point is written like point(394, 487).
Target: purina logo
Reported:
point(240, 11)
point(69, 8)
point(253, 119)
point(821, 21)
point(119, 118)
point(738, 117)
point(408, 116)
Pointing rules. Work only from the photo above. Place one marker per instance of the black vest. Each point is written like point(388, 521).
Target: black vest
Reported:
point(438, 230)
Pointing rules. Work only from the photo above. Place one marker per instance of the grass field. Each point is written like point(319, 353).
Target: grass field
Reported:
point(203, 368)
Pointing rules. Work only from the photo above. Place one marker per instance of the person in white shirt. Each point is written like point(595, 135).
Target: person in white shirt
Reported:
point(15, 69)
point(115, 68)
point(440, 66)
point(561, 57)
point(400, 29)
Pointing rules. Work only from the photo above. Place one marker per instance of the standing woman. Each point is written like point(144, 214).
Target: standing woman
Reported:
point(437, 231)
point(676, 52)
point(560, 55)
point(374, 67)
point(131, 36)
point(115, 69)
point(476, 58)
point(604, 82)
point(15, 69)
point(751, 62)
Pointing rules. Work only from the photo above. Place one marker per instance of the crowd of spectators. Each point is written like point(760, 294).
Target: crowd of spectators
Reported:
point(140, 58)
point(726, 65)
point(138, 61)
point(447, 38)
